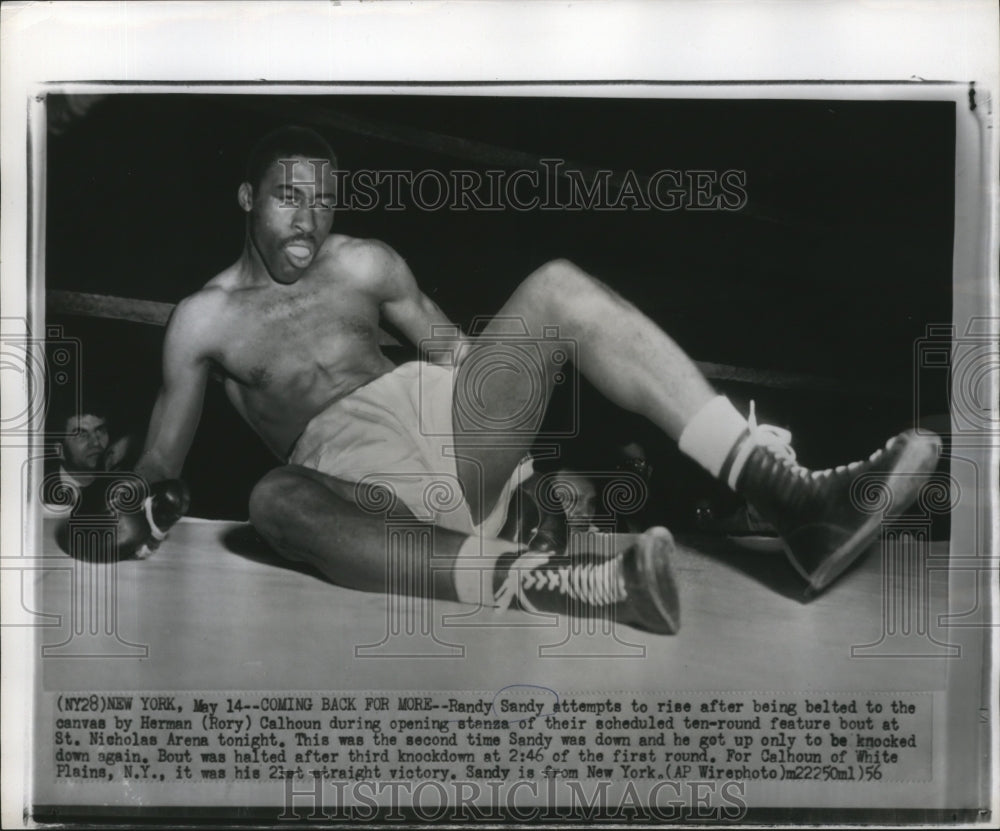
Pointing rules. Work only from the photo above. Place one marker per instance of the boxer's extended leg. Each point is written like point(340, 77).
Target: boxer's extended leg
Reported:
point(310, 517)
point(824, 523)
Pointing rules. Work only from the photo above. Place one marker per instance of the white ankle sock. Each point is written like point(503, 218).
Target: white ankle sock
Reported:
point(475, 566)
point(712, 436)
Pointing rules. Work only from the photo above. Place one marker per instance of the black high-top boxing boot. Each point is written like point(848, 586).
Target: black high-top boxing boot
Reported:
point(828, 518)
point(634, 586)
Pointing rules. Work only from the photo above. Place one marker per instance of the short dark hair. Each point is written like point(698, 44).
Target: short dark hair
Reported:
point(284, 143)
point(61, 411)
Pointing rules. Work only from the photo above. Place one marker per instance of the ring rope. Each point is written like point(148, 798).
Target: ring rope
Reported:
point(152, 312)
point(110, 307)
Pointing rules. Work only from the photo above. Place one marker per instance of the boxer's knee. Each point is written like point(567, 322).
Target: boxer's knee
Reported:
point(555, 279)
point(273, 505)
point(561, 285)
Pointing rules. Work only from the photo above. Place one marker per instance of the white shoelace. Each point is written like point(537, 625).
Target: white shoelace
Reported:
point(779, 440)
point(597, 584)
point(768, 435)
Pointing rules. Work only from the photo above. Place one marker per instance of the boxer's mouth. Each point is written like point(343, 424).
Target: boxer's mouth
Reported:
point(299, 252)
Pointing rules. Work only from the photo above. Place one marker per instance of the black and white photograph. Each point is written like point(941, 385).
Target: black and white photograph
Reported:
point(498, 442)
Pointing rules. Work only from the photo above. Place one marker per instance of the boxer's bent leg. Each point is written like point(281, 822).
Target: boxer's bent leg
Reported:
point(309, 516)
point(618, 349)
point(635, 365)
point(630, 360)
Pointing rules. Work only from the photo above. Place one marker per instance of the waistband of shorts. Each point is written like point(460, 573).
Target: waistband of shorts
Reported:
point(406, 365)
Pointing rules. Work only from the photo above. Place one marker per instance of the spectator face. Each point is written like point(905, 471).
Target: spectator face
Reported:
point(83, 450)
point(577, 496)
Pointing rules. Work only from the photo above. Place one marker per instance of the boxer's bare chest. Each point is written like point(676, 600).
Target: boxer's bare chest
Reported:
point(276, 334)
point(288, 351)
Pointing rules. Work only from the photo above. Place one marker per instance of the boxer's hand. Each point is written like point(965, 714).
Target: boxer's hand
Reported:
point(140, 529)
point(167, 502)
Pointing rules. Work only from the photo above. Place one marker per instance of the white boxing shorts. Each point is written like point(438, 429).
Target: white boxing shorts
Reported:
point(396, 432)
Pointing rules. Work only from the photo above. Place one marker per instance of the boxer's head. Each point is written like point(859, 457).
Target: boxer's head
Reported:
point(288, 195)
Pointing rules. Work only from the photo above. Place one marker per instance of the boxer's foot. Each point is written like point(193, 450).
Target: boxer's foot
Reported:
point(828, 518)
point(635, 586)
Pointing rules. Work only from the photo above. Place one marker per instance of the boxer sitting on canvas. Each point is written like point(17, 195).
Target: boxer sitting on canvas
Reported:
point(292, 325)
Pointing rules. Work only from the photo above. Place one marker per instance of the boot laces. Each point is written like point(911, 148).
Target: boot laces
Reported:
point(595, 584)
point(778, 441)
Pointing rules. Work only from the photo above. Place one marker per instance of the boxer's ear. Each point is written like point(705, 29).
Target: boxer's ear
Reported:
point(245, 197)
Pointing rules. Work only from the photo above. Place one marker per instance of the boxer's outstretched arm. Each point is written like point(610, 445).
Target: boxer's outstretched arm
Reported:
point(178, 406)
point(404, 305)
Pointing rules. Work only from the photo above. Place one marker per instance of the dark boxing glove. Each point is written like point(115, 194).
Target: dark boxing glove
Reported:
point(139, 526)
point(167, 502)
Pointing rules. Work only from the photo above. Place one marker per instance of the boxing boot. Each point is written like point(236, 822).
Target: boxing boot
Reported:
point(634, 586)
point(827, 518)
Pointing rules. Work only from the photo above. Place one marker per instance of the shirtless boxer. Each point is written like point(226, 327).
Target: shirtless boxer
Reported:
point(293, 327)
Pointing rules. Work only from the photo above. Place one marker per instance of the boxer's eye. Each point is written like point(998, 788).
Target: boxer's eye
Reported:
point(290, 198)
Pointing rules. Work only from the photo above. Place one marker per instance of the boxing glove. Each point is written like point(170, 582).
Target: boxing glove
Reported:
point(139, 528)
point(167, 502)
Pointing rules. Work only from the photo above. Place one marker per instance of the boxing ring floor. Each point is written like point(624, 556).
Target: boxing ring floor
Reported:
point(213, 609)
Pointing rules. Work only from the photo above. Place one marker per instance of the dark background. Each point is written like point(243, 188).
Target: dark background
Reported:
point(835, 267)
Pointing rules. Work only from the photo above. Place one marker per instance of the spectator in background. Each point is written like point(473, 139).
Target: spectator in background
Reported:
point(84, 446)
point(89, 475)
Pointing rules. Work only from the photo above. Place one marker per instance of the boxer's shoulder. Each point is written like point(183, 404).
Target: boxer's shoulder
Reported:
point(208, 302)
point(199, 316)
point(357, 257)
point(369, 266)
point(225, 282)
